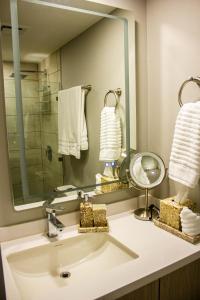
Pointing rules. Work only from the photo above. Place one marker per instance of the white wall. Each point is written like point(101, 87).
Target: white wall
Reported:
point(173, 51)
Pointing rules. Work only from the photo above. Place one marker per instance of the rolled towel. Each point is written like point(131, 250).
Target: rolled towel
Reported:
point(190, 222)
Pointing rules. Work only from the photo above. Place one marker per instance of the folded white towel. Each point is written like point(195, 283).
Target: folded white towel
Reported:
point(110, 136)
point(72, 130)
point(184, 166)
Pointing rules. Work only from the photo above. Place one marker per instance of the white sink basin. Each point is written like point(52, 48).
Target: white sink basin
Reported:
point(38, 271)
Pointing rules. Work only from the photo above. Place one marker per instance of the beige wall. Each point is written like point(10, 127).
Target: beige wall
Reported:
point(7, 214)
point(100, 64)
point(173, 47)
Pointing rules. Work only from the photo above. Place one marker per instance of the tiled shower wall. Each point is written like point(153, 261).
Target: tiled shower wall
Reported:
point(49, 86)
point(32, 128)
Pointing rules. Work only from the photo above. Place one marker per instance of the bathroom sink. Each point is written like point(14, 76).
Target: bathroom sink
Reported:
point(66, 264)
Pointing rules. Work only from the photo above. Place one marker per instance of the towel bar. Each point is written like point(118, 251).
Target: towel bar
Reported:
point(191, 79)
point(117, 93)
point(84, 87)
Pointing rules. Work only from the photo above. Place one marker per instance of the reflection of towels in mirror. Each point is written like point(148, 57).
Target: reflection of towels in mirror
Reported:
point(139, 172)
point(72, 130)
point(110, 136)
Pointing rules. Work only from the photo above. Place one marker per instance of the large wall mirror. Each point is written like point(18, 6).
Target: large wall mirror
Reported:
point(62, 66)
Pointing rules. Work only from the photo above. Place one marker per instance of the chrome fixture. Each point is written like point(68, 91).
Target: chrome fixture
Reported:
point(191, 79)
point(117, 93)
point(54, 225)
point(25, 73)
point(87, 88)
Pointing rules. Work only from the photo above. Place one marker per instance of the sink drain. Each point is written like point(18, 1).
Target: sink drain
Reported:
point(65, 274)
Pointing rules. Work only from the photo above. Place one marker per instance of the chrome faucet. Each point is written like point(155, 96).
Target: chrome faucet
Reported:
point(54, 225)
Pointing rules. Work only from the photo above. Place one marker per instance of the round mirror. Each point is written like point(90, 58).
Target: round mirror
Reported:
point(147, 170)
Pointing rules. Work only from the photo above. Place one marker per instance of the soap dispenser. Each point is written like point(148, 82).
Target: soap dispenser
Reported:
point(86, 212)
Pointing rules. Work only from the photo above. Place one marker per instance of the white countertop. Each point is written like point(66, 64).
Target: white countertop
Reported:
point(159, 253)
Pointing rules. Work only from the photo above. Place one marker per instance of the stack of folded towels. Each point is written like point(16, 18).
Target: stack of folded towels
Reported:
point(110, 136)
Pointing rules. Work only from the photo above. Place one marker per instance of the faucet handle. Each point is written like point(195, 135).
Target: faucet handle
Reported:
point(53, 209)
point(50, 208)
point(58, 208)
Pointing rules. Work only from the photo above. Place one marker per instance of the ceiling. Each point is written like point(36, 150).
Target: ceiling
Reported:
point(46, 29)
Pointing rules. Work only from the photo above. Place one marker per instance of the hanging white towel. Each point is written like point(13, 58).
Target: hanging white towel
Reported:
point(110, 135)
point(72, 130)
point(184, 166)
point(139, 172)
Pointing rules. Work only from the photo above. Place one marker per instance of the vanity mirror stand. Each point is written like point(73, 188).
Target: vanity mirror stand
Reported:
point(146, 171)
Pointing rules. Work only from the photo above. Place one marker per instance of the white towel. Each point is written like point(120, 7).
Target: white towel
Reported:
point(139, 172)
point(184, 166)
point(72, 130)
point(190, 222)
point(110, 136)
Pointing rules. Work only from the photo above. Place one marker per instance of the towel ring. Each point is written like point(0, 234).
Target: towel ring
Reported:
point(191, 79)
point(117, 93)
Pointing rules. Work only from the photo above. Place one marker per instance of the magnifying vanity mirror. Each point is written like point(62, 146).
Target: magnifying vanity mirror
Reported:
point(49, 46)
point(146, 171)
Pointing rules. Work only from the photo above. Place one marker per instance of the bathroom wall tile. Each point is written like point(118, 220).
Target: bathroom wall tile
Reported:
point(51, 181)
point(45, 104)
point(33, 157)
point(54, 87)
point(54, 104)
point(10, 106)
point(54, 166)
point(50, 123)
point(11, 124)
point(12, 141)
point(30, 88)
point(32, 123)
point(7, 69)
point(17, 193)
point(9, 87)
point(35, 188)
point(52, 63)
point(35, 173)
point(30, 106)
point(50, 139)
point(32, 141)
point(58, 59)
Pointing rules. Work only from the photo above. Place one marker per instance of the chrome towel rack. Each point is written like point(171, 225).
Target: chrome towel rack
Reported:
point(84, 87)
point(117, 93)
point(191, 79)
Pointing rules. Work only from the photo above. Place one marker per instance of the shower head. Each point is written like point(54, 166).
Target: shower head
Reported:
point(25, 73)
point(21, 74)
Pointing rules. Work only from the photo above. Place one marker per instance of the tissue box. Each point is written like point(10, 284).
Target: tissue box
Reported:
point(170, 212)
point(86, 215)
point(99, 214)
